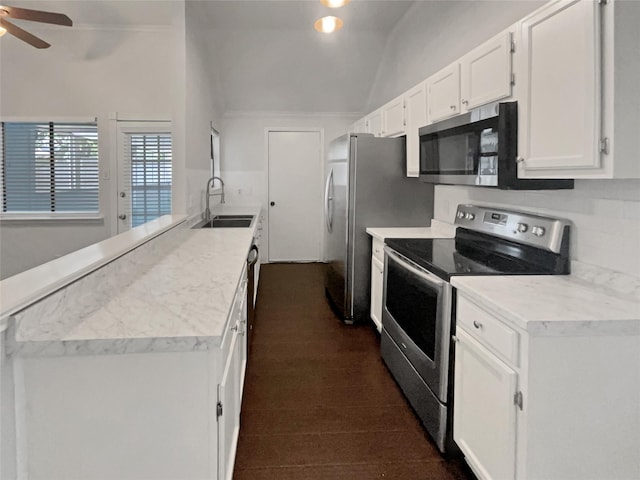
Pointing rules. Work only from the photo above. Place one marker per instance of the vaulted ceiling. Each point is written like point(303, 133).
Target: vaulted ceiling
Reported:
point(264, 55)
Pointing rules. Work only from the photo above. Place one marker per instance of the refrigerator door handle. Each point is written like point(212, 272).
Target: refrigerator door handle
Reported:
point(327, 199)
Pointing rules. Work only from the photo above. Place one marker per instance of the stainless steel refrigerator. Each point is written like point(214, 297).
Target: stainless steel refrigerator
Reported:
point(366, 186)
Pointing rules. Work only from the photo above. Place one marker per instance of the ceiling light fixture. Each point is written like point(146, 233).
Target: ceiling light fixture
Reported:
point(328, 24)
point(2, 31)
point(334, 3)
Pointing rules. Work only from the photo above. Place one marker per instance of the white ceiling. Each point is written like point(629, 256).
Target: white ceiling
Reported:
point(264, 55)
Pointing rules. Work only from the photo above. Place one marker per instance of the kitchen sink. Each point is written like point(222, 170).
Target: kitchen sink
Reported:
point(226, 221)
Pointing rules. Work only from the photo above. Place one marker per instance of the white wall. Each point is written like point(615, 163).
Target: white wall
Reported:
point(432, 34)
point(605, 213)
point(244, 158)
point(88, 72)
point(203, 102)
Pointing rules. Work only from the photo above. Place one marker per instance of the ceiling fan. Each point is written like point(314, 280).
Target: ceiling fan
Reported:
point(33, 16)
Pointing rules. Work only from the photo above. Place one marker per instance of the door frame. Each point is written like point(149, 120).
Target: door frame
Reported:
point(111, 174)
point(321, 160)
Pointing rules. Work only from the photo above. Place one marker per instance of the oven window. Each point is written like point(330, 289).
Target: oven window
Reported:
point(413, 303)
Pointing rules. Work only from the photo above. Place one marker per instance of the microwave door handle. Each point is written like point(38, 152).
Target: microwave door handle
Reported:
point(423, 274)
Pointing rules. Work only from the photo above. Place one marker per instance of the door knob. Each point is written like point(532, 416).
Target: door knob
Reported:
point(272, 204)
point(122, 216)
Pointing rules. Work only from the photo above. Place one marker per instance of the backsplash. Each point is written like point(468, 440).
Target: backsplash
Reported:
point(605, 216)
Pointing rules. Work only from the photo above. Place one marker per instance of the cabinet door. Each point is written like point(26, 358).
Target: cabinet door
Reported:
point(359, 127)
point(416, 114)
point(486, 73)
point(393, 118)
point(443, 93)
point(374, 123)
point(229, 402)
point(484, 413)
point(377, 274)
point(559, 120)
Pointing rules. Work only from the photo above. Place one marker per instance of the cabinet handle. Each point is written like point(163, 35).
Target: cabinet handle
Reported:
point(520, 160)
point(234, 328)
point(452, 107)
point(464, 102)
point(477, 324)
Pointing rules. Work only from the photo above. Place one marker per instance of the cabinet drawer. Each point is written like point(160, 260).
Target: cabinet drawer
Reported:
point(377, 249)
point(488, 330)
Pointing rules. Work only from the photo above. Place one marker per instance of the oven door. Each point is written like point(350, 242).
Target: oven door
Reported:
point(417, 316)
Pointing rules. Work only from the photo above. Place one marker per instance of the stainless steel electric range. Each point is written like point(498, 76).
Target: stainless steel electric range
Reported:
point(418, 317)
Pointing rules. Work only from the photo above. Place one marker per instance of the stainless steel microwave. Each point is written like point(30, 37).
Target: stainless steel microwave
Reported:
point(477, 148)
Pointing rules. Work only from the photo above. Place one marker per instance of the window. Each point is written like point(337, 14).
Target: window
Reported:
point(49, 167)
point(150, 176)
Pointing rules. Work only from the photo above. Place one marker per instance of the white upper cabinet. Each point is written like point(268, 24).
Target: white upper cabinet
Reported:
point(559, 124)
point(416, 116)
point(443, 92)
point(393, 118)
point(578, 106)
point(360, 126)
point(374, 123)
point(486, 72)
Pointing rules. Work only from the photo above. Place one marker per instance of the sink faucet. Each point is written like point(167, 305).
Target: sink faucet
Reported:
point(207, 211)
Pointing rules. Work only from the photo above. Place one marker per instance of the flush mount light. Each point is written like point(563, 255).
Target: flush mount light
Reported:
point(2, 31)
point(334, 3)
point(328, 24)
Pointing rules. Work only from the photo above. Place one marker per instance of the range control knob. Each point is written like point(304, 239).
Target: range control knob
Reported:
point(538, 231)
point(460, 214)
point(470, 216)
point(522, 227)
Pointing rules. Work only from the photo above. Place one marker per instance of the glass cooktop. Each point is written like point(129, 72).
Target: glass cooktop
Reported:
point(448, 256)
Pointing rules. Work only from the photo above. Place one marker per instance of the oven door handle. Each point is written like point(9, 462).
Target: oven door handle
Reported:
point(425, 275)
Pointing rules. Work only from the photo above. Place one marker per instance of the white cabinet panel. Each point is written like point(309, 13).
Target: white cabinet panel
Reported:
point(486, 72)
point(229, 398)
point(393, 118)
point(559, 125)
point(377, 277)
point(484, 418)
point(443, 91)
point(374, 123)
point(416, 115)
point(359, 126)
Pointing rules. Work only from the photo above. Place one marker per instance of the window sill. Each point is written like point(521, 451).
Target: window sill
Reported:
point(44, 219)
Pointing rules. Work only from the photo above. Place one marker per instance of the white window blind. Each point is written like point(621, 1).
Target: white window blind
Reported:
point(49, 167)
point(148, 159)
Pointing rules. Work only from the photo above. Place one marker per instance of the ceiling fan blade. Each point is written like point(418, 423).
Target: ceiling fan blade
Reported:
point(37, 15)
point(23, 34)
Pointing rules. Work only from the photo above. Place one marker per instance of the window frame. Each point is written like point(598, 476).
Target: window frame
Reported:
point(46, 217)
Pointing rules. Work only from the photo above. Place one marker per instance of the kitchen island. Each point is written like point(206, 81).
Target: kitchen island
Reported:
point(134, 368)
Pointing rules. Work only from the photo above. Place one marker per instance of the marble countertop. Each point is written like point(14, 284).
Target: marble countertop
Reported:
point(182, 301)
point(553, 305)
point(437, 229)
point(23, 289)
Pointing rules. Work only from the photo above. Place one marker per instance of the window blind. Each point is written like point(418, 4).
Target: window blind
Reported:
point(150, 160)
point(49, 167)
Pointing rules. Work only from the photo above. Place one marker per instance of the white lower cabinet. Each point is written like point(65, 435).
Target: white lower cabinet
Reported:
point(377, 281)
point(155, 414)
point(532, 405)
point(484, 409)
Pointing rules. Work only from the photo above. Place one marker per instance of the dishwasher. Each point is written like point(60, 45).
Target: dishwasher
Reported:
point(252, 260)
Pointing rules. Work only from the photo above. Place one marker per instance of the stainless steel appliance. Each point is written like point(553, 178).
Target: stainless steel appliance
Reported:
point(419, 302)
point(477, 148)
point(366, 186)
point(252, 260)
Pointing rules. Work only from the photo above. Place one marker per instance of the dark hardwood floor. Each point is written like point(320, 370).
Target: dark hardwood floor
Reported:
point(318, 401)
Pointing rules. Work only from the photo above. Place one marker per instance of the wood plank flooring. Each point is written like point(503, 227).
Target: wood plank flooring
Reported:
point(318, 401)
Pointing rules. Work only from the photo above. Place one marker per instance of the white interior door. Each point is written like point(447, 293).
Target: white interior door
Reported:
point(295, 197)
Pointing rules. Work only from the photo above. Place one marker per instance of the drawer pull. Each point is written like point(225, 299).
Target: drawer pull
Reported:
point(477, 324)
